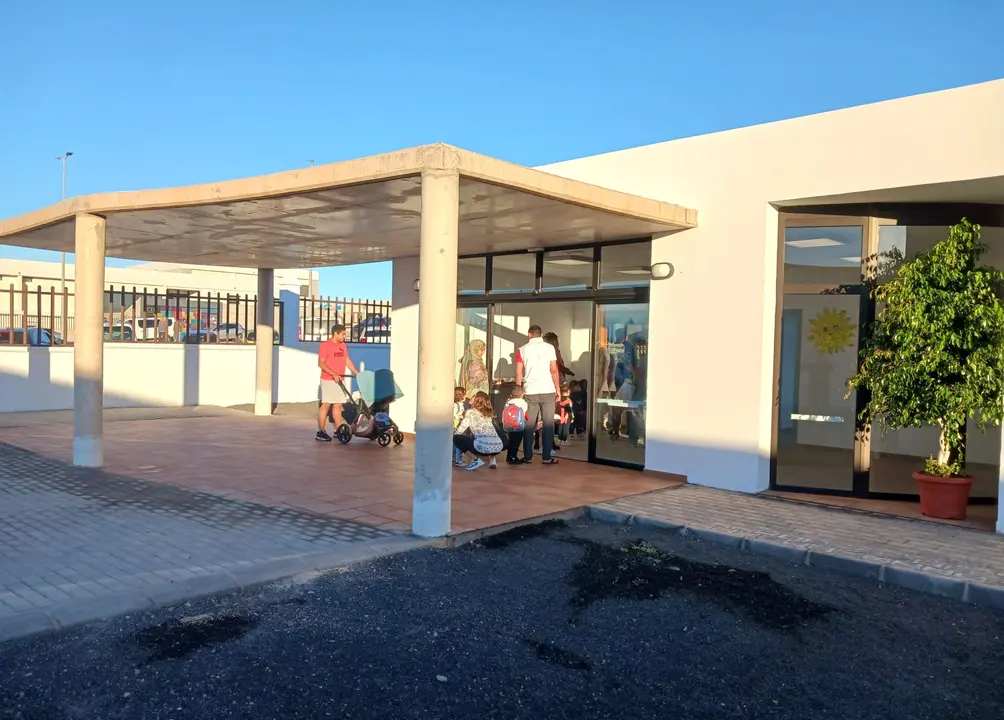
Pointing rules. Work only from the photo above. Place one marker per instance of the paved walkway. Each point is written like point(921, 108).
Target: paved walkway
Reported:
point(941, 551)
point(79, 544)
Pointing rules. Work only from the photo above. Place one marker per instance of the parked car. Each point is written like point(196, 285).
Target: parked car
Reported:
point(374, 322)
point(374, 335)
point(202, 336)
point(252, 335)
point(229, 332)
point(150, 328)
point(118, 332)
point(36, 336)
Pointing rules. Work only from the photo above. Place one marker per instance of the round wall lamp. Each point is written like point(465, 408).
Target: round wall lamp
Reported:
point(415, 285)
point(662, 271)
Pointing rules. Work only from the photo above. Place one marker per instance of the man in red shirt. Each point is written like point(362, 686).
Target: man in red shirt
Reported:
point(332, 359)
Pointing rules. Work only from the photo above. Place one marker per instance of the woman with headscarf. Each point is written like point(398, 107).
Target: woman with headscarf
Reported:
point(473, 371)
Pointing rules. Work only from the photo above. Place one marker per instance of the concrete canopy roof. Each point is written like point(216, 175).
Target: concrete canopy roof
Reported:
point(356, 211)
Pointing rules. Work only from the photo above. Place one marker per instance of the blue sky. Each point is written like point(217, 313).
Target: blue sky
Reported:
point(159, 94)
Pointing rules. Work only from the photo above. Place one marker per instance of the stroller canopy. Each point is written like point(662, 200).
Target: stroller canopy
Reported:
point(377, 386)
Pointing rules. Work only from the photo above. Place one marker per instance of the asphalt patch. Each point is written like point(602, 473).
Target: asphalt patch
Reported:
point(176, 639)
point(521, 533)
point(551, 653)
point(641, 571)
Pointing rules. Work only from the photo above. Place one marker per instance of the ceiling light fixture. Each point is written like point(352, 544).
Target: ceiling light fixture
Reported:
point(813, 243)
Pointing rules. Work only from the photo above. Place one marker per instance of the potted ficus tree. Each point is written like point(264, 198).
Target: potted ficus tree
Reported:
point(935, 356)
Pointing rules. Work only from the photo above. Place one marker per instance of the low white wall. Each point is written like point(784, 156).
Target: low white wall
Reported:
point(149, 375)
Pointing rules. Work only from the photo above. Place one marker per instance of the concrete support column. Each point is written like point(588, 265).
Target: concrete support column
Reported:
point(437, 314)
point(263, 342)
point(88, 340)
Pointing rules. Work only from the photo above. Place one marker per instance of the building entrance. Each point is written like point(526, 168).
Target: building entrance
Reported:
point(592, 304)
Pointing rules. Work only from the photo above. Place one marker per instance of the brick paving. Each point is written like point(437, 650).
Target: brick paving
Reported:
point(70, 534)
point(927, 547)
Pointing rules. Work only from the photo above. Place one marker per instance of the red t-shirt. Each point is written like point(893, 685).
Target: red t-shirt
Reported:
point(334, 355)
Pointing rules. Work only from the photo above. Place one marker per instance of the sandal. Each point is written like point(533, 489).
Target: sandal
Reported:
point(550, 461)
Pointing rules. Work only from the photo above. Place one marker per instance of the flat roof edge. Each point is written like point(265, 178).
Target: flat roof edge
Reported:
point(576, 192)
point(345, 173)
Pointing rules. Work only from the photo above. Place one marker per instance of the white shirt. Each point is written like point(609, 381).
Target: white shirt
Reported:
point(537, 357)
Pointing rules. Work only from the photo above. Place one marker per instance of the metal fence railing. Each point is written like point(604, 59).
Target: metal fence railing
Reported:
point(365, 321)
point(45, 317)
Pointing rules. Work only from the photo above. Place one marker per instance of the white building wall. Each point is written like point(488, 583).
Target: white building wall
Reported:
point(168, 375)
point(712, 324)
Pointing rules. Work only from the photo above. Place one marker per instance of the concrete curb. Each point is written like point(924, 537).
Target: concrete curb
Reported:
point(890, 574)
point(69, 614)
point(469, 536)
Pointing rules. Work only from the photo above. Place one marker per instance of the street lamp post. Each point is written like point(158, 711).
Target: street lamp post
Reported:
point(62, 263)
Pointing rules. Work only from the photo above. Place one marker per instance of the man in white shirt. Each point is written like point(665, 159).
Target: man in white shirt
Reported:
point(537, 372)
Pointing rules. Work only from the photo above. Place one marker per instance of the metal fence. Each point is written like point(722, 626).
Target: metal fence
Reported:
point(45, 317)
point(365, 321)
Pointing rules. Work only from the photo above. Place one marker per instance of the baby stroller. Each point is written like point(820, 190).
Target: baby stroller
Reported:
point(366, 414)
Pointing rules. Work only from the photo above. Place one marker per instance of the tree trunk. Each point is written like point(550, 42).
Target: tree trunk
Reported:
point(944, 449)
point(948, 453)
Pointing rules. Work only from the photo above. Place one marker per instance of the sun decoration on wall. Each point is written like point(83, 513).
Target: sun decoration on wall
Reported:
point(831, 331)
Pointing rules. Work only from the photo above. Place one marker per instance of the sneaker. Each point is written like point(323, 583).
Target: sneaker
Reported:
point(478, 463)
point(492, 464)
point(322, 436)
point(459, 464)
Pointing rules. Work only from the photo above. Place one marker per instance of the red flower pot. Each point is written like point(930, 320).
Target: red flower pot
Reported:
point(943, 497)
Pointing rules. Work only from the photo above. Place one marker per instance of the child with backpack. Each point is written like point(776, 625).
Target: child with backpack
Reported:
point(514, 419)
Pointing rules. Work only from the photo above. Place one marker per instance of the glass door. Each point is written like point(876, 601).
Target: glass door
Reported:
point(816, 417)
point(619, 387)
point(567, 326)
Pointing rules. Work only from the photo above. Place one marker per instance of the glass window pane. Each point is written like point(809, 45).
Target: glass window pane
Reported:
point(828, 256)
point(514, 273)
point(819, 351)
point(620, 388)
point(471, 275)
point(626, 265)
point(568, 270)
point(895, 454)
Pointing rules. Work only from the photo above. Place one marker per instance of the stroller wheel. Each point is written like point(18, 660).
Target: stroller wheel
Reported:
point(384, 439)
point(398, 437)
point(344, 434)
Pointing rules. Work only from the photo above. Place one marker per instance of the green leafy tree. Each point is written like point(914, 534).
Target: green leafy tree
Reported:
point(935, 355)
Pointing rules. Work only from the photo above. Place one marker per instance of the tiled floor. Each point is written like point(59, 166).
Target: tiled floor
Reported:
point(275, 461)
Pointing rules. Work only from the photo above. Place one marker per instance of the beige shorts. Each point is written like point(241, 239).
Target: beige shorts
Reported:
point(332, 393)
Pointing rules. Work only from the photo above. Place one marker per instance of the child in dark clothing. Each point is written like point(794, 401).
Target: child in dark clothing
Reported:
point(580, 402)
point(564, 413)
